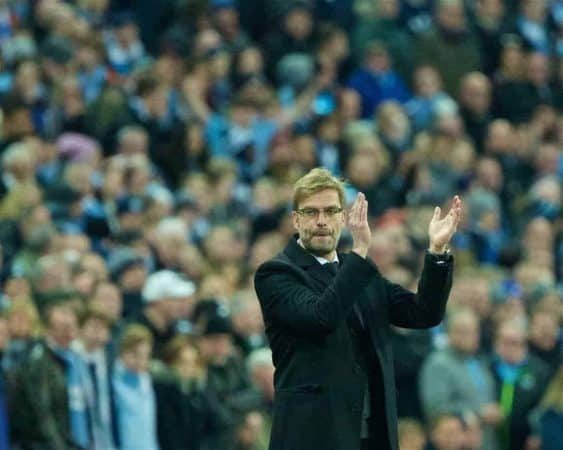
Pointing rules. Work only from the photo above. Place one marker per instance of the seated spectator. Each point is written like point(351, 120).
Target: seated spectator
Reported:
point(189, 417)
point(92, 347)
point(428, 93)
point(377, 80)
point(227, 377)
point(50, 401)
point(544, 339)
point(24, 329)
point(531, 25)
point(466, 384)
point(124, 49)
point(135, 404)
point(394, 128)
point(293, 34)
point(450, 45)
point(163, 295)
point(475, 95)
point(520, 379)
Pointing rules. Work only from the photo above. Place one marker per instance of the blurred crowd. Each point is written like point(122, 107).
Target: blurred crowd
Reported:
point(148, 151)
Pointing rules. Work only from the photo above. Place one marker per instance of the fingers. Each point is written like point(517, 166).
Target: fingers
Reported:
point(352, 213)
point(358, 211)
point(364, 216)
point(437, 213)
point(456, 211)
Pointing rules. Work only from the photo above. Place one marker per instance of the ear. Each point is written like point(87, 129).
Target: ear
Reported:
point(295, 220)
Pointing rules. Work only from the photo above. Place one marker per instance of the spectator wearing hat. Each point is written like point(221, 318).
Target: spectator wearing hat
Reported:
point(189, 416)
point(377, 81)
point(164, 295)
point(135, 404)
point(227, 377)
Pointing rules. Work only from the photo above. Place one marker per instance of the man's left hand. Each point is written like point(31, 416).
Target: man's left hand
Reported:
point(440, 230)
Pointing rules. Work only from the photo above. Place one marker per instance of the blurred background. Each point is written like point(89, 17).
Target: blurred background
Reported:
point(148, 151)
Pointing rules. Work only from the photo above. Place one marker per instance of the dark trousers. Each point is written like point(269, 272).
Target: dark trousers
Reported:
point(367, 444)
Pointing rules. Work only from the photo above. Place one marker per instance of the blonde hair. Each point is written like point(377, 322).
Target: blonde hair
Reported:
point(26, 306)
point(134, 336)
point(317, 180)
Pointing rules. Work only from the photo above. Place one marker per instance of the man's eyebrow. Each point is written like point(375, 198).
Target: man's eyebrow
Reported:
point(325, 207)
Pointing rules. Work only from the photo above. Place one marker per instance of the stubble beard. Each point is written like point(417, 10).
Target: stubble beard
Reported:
point(320, 247)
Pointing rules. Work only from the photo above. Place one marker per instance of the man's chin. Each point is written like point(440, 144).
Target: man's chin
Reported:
point(319, 250)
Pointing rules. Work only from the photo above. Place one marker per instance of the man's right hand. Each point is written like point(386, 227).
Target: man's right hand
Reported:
point(358, 225)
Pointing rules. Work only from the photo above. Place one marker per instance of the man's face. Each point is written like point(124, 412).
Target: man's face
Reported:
point(464, 335)
point(62, 327)
point(137, 359)
point(216, 348)
point(320, 232)
point(95, 334)
point(511, 345)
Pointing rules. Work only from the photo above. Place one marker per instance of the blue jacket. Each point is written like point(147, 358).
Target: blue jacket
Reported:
point(375, 88)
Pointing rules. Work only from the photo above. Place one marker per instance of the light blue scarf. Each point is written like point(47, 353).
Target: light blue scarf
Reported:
point(78, 410)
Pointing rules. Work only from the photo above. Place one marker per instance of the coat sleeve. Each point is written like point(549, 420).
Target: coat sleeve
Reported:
point(426, 308)
point(286, 299)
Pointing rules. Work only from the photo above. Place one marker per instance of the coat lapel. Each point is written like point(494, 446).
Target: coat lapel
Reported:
point(307, 262)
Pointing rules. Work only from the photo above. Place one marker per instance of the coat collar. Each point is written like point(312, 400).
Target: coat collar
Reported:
point(307, 261)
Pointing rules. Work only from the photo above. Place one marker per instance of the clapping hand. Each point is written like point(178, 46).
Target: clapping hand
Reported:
point(440, 231)
point(359, 226)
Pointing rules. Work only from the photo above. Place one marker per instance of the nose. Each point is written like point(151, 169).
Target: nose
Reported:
point(321, 219)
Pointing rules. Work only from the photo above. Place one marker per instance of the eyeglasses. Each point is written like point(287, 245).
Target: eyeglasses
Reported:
point(311, 213)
